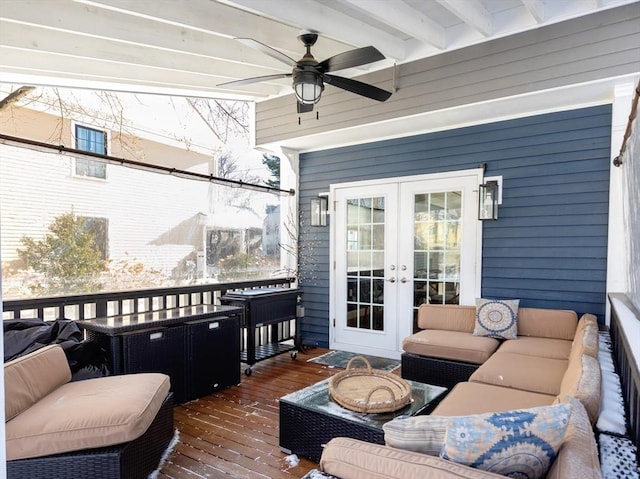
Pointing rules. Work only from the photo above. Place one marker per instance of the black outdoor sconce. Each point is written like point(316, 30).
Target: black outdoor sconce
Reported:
point(319, 207)
point(488, 201)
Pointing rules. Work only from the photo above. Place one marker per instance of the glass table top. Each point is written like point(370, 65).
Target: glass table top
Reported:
point(317, 398)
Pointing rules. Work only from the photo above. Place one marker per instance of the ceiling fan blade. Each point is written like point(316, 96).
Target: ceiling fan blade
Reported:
point(304, 107)
point(357, 87)
point(267, 50)
point(248, 81)
point(350, 59)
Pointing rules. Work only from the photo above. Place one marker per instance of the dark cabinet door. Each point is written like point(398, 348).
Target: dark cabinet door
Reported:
point(158, 350)
point(213, 355)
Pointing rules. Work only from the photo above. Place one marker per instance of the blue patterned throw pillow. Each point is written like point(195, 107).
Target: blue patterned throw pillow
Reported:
point(521, 444)
point(497, 318)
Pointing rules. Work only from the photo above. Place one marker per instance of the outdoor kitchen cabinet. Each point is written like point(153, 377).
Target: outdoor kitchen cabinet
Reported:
point(198, 347)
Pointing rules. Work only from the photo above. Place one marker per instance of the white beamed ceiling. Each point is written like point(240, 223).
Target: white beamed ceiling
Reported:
point(187, 47)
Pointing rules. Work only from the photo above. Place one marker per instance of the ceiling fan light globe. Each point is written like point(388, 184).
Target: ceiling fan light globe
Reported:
point(308, 86)
point(308, 93)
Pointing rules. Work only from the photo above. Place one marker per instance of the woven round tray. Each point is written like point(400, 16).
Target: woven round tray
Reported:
point(369, 390)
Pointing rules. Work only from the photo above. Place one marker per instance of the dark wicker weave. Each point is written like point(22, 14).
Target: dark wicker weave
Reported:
point(440, 372)
point(132, 460)
point(304, 432)
point(158, 350)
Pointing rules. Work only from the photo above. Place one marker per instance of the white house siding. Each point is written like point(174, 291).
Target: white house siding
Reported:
point(37, 186)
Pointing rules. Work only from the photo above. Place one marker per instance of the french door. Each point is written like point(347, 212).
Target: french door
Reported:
point(398, 244)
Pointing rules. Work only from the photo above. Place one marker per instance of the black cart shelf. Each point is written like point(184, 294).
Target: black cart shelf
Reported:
point(270, 324)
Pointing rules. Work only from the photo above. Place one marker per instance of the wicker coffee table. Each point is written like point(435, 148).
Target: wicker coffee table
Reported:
point(309, 418)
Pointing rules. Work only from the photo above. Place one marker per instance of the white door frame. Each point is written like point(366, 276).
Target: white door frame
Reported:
point(476, 175)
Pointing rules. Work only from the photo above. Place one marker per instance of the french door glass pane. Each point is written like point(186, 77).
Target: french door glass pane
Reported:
point(437, 236)
point(365, 263)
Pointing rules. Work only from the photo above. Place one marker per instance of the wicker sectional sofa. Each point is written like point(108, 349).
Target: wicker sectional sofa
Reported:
point(552, 362)
point(108, 427)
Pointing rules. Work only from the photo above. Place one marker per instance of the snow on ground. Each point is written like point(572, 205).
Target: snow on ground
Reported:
point(617, 452)
point(612, 418)
point(292, 461)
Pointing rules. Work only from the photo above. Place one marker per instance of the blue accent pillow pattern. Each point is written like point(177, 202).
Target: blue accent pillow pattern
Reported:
point(497, 318)
point(521, 444)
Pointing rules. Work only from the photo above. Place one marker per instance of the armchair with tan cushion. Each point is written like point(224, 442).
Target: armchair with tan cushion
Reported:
point(115, 427)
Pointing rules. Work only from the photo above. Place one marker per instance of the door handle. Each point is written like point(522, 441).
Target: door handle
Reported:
point(404, 280)
point(391, 280)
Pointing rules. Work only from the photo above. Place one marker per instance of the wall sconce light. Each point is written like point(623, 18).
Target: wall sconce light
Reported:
point(488, 201)
point(319, 208)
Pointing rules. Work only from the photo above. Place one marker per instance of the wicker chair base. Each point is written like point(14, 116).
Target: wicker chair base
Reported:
point(132, 460)
point(439, 372)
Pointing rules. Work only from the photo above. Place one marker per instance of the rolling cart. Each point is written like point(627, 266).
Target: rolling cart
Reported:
point(270, 324)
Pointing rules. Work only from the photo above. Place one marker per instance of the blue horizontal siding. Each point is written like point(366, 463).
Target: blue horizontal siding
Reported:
point(549, 246)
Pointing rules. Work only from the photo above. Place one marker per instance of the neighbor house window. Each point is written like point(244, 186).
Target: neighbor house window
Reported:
point(95, 141)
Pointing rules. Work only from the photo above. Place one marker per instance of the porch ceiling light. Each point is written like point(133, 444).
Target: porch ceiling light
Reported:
point(488, 201)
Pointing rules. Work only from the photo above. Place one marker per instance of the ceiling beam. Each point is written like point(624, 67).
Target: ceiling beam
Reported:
point(94, 22)
point(47, 64)
point(471, 12)
point(535, 8)
point(30, 38)
point(216, 18)
point(311, 15)
point(404, 18)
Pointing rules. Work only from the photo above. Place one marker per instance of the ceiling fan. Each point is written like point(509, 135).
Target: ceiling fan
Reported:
point(309, 75)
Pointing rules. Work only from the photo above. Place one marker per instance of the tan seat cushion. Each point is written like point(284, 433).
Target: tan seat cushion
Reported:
point(352, 459)
point(453, 345)
point(87, 414)
point(540, 347)
point(477, 398)
point(578, 456)
point(547, 323)
point(31, 377)
point(518, 371)
point(449, 317)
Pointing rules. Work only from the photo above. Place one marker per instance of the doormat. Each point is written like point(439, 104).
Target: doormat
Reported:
point(340, 359)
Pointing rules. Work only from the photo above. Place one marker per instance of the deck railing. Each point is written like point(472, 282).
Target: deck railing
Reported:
point(89, 306)
point(626, 355)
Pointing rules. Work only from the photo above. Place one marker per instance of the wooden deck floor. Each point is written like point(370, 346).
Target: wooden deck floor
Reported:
point(234, 432)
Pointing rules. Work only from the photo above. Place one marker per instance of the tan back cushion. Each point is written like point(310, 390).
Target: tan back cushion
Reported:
point(31, 377)
point(587, 334)
point(582, 380)
point(353, 459)
point(450, 317)
point(578, 456)
point(547, 323)
point(419, 433)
